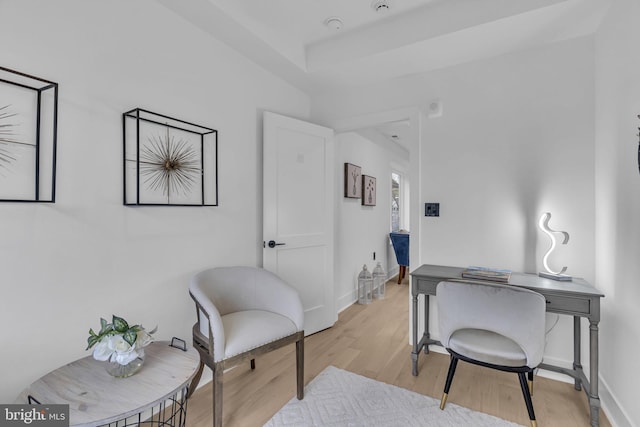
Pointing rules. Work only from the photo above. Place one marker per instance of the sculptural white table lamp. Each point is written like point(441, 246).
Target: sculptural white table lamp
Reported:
point(543, 223)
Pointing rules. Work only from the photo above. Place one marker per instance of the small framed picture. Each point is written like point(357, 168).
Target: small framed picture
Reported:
point(352, 181)
point(368, 190)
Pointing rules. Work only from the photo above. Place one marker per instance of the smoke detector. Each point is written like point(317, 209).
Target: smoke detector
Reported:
point(380, 6)
point(334, 23)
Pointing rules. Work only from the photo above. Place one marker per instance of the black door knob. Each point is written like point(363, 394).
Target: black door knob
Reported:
point(273, 244)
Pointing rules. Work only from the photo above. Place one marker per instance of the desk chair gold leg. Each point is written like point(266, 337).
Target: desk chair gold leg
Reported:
point(447, 385)
point(530, 381)
point(527, 398)
point(443, 401)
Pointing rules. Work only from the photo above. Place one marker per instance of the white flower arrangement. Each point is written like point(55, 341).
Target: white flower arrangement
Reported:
point(118, 342)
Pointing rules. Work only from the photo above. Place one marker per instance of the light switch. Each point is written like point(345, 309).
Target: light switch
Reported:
point(432, 209)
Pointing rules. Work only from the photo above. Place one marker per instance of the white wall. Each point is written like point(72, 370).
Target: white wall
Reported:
point(516, 138)
point(618, 206)
point(66, 265)
point(361, 230)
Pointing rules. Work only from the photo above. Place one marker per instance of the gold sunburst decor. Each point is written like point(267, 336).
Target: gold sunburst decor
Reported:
point(170, 165)
point(6, 136)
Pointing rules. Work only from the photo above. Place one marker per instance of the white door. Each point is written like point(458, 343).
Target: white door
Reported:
point(298, 218)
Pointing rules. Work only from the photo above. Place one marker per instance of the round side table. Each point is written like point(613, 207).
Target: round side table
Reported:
point(156, 395)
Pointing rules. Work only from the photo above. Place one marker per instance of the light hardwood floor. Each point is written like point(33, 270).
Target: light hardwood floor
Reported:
point(372, 340)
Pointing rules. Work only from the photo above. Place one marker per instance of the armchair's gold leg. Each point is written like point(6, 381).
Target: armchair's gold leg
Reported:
point(443, 401)
point(534, 423)
point(530, 387)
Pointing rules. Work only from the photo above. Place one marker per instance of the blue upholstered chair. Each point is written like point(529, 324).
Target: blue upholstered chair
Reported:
point(496, 326)
point(400, 242)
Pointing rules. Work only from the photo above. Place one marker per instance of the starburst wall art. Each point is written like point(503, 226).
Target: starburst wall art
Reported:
point(7, 137)
point(28, 127)
point(168, 161)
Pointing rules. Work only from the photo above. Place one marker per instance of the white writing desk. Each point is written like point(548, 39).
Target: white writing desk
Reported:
point(576, 298)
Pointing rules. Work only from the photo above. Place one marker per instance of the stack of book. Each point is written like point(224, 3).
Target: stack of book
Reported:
point(556, 276)
point(483, 273)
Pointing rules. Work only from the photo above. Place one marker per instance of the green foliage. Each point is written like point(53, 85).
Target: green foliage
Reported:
point(118, 326)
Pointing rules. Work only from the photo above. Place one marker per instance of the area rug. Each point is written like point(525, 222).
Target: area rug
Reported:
point(341, 398)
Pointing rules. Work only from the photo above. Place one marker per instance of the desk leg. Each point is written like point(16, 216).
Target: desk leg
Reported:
point(426, 322)
point(594, 399)
point(416, 350)
point(577, 358)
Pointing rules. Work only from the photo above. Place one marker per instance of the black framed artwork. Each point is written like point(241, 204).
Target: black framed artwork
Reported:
point(28, 137)
point(168, 162)
point(368, 190)
point(352, 181)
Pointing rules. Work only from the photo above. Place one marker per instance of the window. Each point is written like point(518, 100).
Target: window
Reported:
point(395, 201)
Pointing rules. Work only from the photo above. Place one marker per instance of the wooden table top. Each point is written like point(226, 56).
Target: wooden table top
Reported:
point(96, 398)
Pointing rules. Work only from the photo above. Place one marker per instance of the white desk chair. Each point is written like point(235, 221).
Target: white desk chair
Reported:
point(243, 312)
point(496, 326)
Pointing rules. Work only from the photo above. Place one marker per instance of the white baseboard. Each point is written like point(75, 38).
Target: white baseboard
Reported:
point(345, 301)
point(609, 402)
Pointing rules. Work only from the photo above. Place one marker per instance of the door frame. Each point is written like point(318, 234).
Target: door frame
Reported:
point(417, 118)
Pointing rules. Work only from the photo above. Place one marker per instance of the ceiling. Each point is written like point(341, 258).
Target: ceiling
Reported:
point(290, 38)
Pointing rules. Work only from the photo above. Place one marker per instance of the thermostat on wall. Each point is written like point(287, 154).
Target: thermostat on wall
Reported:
point(432, 209)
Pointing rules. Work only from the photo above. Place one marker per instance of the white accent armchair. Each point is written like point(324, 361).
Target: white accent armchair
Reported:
point(496, 326)
point(243, 312)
